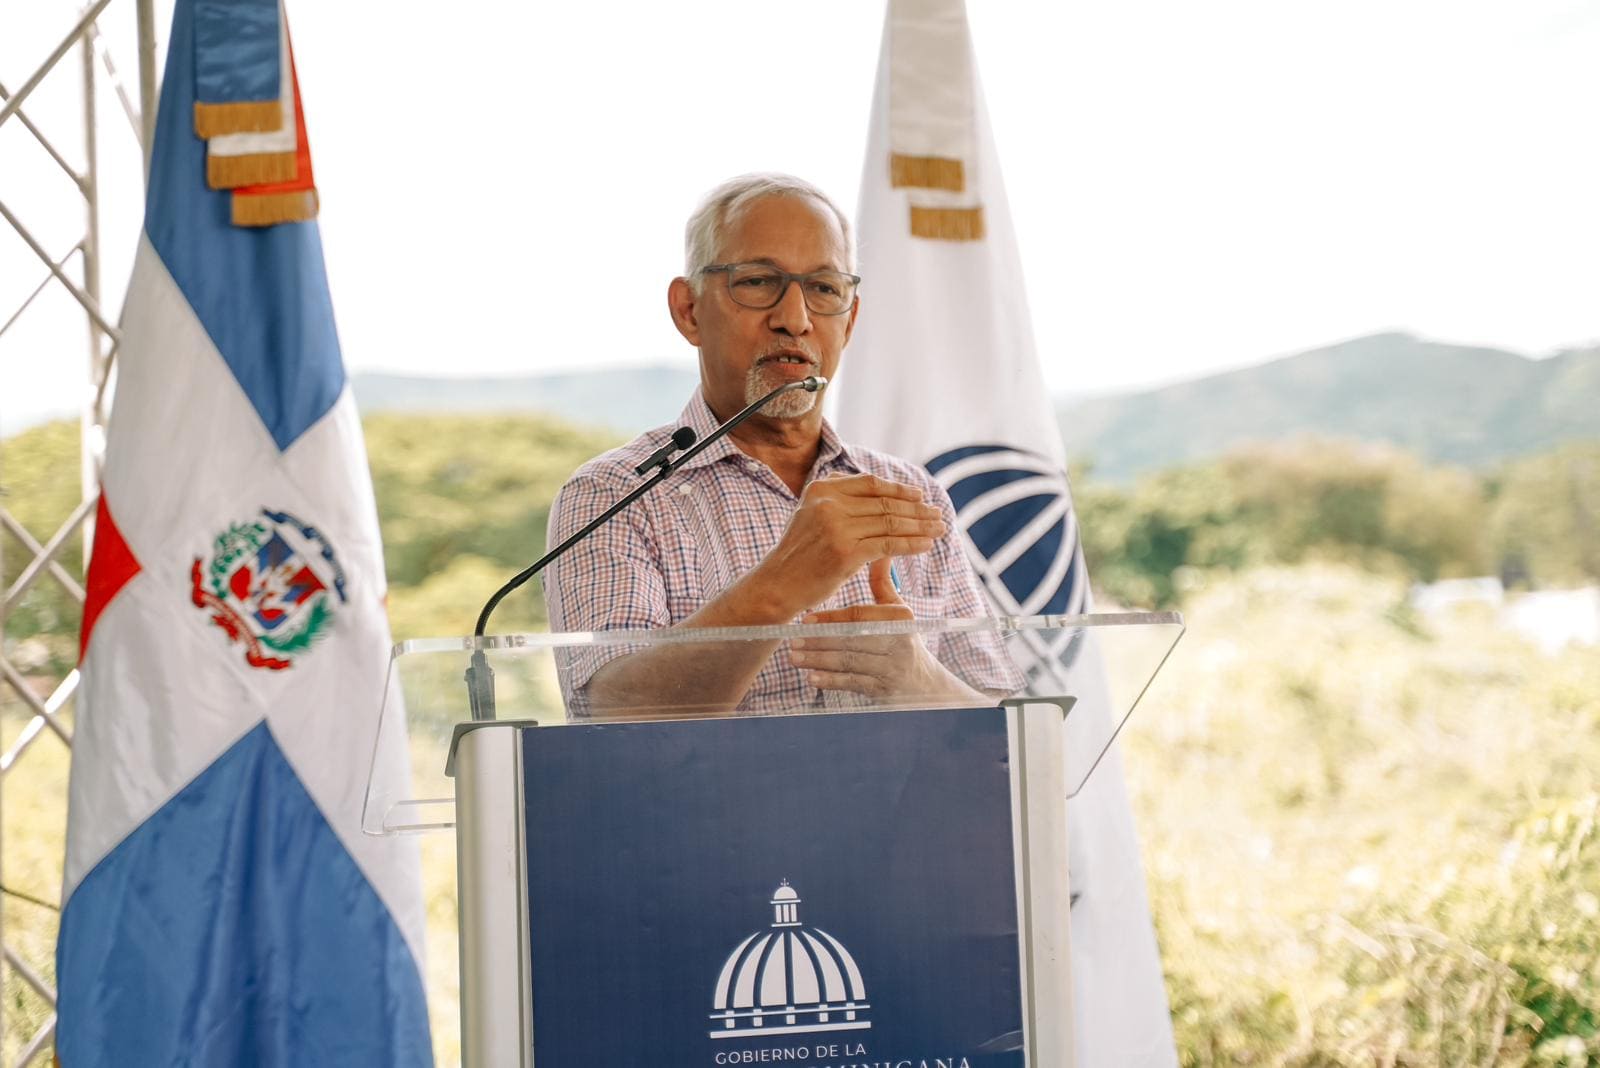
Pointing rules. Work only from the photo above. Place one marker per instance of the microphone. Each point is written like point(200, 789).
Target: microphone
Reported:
point(810, 385)
point(682, 438)
point(479, 676)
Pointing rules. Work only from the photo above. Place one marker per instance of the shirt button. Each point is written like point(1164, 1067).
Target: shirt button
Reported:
point(685, 489)
point(752, 465)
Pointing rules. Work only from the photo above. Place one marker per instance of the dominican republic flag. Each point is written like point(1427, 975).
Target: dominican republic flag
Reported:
point(222, 906)
point(942, 370)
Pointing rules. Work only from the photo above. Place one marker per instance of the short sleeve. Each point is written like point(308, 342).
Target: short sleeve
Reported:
point(611, 580)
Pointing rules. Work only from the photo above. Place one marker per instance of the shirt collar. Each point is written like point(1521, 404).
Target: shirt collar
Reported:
point(697, 415)
point(833, 451)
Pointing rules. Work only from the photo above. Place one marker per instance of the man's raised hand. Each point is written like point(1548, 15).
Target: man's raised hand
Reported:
point(842, 525)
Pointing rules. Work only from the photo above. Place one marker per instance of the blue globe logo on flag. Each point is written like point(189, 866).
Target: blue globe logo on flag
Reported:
point(1016, 510)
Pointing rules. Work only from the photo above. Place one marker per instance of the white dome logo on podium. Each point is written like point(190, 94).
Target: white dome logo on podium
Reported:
point(789, 979)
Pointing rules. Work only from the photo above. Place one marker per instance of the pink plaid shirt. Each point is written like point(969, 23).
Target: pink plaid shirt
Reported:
point(667, 554)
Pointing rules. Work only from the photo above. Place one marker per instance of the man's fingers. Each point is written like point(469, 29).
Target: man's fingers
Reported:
point(879, 506)
point(803, 649)
point(912, 546)
point(904, 526)
point(854, 660)
point(880, 576)
point(871, 685)
point(899, 526)
point(867, 486)
point(858, 613)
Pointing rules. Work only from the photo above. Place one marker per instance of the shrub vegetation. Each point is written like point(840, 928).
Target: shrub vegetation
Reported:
point(1371, 838)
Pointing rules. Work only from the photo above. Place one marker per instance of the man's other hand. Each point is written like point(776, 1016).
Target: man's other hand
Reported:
point(892, 666)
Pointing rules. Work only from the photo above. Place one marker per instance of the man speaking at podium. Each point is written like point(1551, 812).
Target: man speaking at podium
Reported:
point(779, 521)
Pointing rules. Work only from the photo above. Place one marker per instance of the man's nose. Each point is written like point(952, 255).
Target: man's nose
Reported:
point(790, 315)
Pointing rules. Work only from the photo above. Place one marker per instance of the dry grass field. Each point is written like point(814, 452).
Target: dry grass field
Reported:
point(33, 824)
point(1371, 839)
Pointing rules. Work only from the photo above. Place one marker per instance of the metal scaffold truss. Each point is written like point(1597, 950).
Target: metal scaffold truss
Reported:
point(41, 696)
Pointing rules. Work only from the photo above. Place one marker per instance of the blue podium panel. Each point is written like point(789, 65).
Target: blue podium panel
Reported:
point(822, 891)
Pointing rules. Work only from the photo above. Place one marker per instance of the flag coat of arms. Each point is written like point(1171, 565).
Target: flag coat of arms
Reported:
point(221, 905)
point(942, 371)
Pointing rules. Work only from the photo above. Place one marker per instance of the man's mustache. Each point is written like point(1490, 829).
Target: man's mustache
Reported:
point(789, 349)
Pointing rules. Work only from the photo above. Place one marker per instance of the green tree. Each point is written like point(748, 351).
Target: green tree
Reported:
point(1546, 515)
point(1372, 505)
point(40, 487)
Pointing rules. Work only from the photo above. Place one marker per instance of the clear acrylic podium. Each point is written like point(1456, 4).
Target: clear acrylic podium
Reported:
point(1049, 694)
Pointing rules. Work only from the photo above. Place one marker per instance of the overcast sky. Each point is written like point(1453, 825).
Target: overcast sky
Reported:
point(1197, 186)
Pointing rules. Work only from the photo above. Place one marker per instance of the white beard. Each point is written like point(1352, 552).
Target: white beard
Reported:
point(790, 405)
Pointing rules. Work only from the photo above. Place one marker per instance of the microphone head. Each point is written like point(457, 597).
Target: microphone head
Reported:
point(814, 383)
point(684, 436)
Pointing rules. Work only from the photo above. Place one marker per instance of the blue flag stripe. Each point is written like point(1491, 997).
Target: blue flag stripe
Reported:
point(207, 934)
point(969, 489)
point(945, 459)
point(992, 531)
point(236, 57)
point(261, 293)
point(1026, 572)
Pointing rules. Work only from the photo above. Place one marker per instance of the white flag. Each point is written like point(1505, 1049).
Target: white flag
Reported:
point(942, 371)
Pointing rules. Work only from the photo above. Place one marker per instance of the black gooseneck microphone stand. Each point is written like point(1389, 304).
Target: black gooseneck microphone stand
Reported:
point(479, 676)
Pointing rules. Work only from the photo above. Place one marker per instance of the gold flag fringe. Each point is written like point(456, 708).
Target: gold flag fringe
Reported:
point(926, 172)
point(239, 116)
point(947, 224)
point(261, 168)
point(269, 209)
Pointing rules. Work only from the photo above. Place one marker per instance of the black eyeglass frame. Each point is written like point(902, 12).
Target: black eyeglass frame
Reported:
point(728, 269)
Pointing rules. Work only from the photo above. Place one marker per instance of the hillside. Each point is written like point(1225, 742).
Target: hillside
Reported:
point(1447, 403)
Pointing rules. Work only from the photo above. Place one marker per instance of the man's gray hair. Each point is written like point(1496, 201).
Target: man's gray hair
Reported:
point(703, 236)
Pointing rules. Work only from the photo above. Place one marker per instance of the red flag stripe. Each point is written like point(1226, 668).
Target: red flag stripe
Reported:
point(111, 566)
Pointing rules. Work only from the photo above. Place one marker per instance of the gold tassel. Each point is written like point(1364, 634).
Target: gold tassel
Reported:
point(947, 224)
point(239, 116)
point(263, 168)
point(269, 209)
point(926, 172)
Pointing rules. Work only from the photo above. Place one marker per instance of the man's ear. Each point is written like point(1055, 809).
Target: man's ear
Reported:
point(683, 303)
point(850, 324)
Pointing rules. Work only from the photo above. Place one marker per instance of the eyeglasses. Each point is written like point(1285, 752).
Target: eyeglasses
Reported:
point(761, 285)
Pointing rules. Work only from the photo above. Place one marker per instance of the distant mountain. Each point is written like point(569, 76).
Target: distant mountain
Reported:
point(1447, 403)
point(628, 400)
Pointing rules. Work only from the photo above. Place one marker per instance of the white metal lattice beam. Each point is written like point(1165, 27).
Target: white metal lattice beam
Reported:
point(83, 284)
